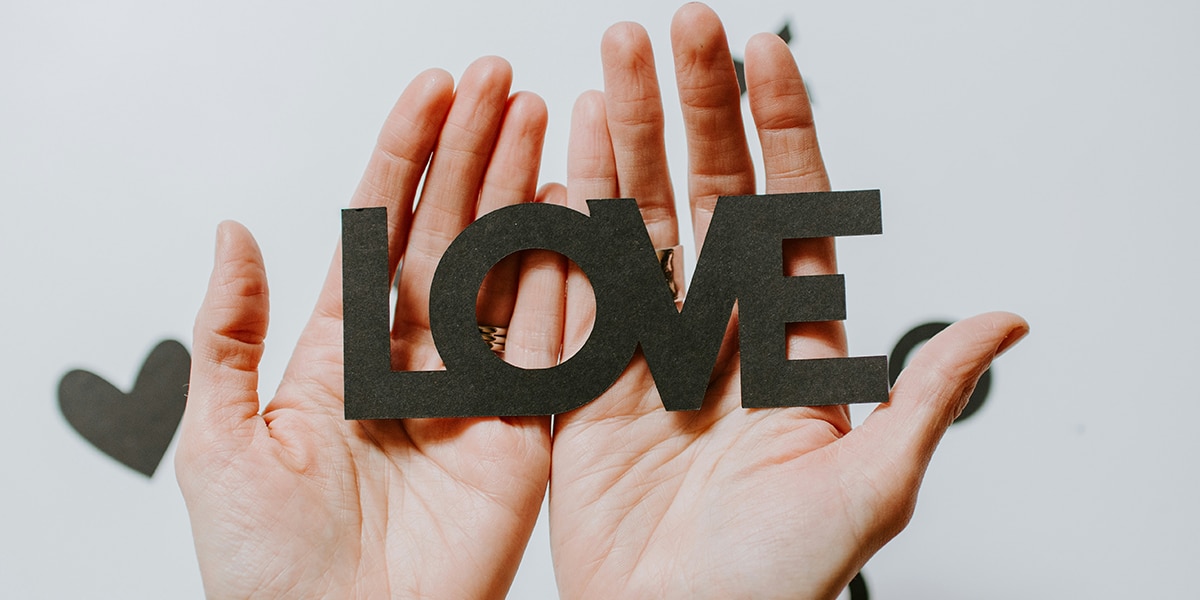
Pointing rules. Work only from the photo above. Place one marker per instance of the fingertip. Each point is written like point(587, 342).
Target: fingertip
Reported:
point(769, 61)
point(237, 258)
point(693, 10)
point(490, 69)
point(621, 34)
point(1018, 329)
point(588, 116)
point(483, 88)
point(530, 108)
point(552, 193)
point(430, 87)
point(695, 20)
point(624, 43)
point(434, 80)
point(236, 304)
point(762, 42)
point(769, 48)
point(226, 230)
point(588, 108)
point(231, 233)
point(988, 334)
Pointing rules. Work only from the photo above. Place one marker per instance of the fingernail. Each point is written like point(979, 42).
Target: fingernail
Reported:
point(222, 240)
point(1011, 339)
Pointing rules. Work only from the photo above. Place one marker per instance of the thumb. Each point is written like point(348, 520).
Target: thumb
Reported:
point(228, 343)
point(893, 446)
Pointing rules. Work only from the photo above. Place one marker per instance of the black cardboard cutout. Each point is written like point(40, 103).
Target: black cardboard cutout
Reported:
point(134, 428)
point(742, 261)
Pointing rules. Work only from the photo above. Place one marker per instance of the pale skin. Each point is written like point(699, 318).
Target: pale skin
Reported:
point(723, 502)
point(727, 502)
point(296, 501)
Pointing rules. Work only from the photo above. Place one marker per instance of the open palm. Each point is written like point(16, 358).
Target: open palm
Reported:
point(296, 501)
point(726, 502)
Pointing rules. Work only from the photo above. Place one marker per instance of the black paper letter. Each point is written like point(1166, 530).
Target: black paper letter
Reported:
point(742, 261)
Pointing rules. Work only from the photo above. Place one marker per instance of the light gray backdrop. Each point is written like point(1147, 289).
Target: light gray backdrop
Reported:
point(1033, 156)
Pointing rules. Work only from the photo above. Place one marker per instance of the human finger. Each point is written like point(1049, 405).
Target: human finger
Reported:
point(635, 121)
point(791, 157)
point(511, 178)
point(591, 166)
point(392, 176)
point(892, 448)
point(719, 161)
point(783, 118)
point(591, 173)
point(792, 163)
point(227, 346)
point(535, 333)
point(448, 202)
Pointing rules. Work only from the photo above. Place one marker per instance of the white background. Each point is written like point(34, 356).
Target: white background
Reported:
point(1033, 156)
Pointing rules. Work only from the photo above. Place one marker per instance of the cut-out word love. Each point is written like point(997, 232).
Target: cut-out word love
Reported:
point(742, 261)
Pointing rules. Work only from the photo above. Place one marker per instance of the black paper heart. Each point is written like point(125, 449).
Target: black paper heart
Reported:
point(137, 427)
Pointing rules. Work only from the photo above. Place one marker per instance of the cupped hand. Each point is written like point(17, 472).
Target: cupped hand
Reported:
point(296, 501)
point(726, 502)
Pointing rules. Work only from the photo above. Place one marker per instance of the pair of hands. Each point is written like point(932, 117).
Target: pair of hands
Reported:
point(720, 502)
